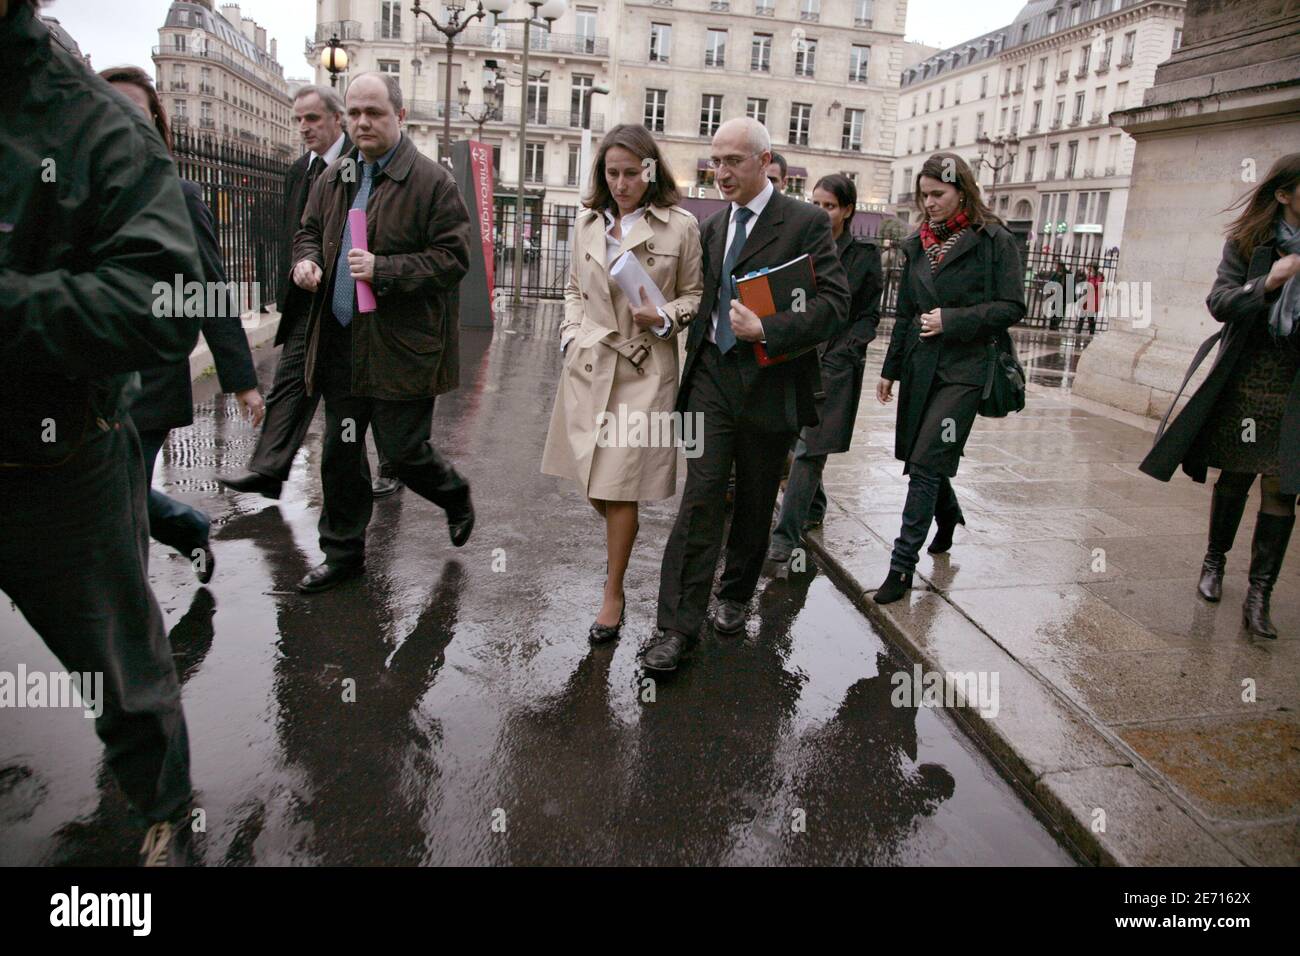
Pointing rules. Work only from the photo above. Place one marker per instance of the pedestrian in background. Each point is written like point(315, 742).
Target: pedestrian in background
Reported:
point(620, 358)
point(962, 288)
point(1090, 304)
point(384, 367)
point(166, 399)
point(79, 256)
point(1054, 289)
point(1244, 419)
point(842, 360)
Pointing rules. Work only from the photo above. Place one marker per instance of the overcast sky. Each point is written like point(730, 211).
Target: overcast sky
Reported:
point(124, 31)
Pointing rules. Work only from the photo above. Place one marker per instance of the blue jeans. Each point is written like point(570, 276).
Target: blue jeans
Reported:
point(929, 494)
point(171, 522)
point(804, 501)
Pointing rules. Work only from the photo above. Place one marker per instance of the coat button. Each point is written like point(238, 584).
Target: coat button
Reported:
point(588, 367)
point(640, 371)
point(589, 257)
point(650, 261)
point(584, 295)
point(650, 245)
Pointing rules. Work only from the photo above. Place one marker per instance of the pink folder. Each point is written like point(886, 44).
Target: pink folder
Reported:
point(357, 224)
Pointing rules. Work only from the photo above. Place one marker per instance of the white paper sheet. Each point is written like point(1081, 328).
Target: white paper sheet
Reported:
point(630, 276)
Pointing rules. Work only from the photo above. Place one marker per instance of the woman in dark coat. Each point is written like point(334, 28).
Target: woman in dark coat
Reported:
point(842, 360)
point(962, 287)
point(1245, 417)
point(165, 400)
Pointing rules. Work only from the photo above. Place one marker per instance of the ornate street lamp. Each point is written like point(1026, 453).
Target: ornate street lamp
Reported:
point(1000, 147)
point(489, 109)
point(334, 58)
point(543, 15)
point(451, 29)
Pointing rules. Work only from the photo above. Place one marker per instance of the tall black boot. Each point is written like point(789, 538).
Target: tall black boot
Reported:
point(947, 515)
point(1272, 534)
point(1225, 516)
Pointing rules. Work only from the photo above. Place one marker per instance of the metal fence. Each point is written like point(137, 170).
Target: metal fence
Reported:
point(244, 188)
point(548, 242)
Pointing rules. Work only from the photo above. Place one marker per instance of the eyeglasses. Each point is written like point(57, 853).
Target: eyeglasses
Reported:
point(731, 162)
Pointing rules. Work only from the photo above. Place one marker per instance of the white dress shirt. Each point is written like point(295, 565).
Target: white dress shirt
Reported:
point(331, 154)
point(756, 206)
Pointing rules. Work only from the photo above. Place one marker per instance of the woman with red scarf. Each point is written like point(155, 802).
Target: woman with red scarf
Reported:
point(962, 287)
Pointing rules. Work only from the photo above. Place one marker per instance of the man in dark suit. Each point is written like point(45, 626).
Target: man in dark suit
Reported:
point(749, 415)
point(289, 409)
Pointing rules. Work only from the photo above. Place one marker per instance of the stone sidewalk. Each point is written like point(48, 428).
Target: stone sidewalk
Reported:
point(1125, 703)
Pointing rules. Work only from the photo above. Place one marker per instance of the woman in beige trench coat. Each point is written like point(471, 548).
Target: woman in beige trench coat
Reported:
point(620, 361)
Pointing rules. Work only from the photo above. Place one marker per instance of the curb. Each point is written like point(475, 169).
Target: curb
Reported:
point(259, 329)
point(1150, 824)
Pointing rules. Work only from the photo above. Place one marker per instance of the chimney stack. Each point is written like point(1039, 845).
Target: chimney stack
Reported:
point(231, 12)
point(273, 54)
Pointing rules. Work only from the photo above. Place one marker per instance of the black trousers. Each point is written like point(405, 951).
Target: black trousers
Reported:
point(74, 554)
point(402, 437)
point(691, 555)
point(289, 411)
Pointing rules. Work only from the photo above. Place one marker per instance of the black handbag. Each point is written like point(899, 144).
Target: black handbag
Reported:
point(1004, 390)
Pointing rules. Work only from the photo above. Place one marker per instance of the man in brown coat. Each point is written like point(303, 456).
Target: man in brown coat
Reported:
point(383, 367)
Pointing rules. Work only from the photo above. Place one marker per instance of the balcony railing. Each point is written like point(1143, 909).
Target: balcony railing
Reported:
point(1076, 120)
point(210, 56)
point(1020, 88)
point(179, 119)
point(1040, 82)
point(764, 11)
point(1109, 171)
point(208, 88)
point(550, 119)
point(1054, 124)
point(1095, 118)
point(393, 32)
point(208, 123)
point(1081, 73)
point(343, 29)
point(904, 197)
point(1126, 61)
point(662, 3)
point(808, 17)
point(498, 38)
point(1103, 67)
point(1051, 175)
point(720, 6)
point(180, 85)
point(1062, 76)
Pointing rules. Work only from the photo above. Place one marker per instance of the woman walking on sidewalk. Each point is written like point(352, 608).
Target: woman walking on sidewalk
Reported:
point(1245, 418)
point(620, 363)
point(962, 287)
point(842, 360)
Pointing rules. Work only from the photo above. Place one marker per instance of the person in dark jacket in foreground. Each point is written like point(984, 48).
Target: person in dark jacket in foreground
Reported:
point(91, 216)
point(842, 361)
point(1244, 419)
point(166, 400)
point(962, 288)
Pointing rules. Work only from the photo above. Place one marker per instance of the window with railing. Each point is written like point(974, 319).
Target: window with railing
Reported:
point(1130, 46)
point(710, 113)
point(535, 163)
point(715, 48)
point(854, 126)
point(805, 58)
point(661, 37)
point(390, 20)
point(575, 157)
point(800, 123)
point(859, 56)
point(760, 53)
point(764, 8)
point(863, 13)
point(656, 110)
point(756, 109)
point(810, 10)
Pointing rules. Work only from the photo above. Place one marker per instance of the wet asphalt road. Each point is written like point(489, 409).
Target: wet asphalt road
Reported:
point(485, 729)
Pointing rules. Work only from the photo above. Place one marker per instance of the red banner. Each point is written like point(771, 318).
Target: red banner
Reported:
point(482, 175)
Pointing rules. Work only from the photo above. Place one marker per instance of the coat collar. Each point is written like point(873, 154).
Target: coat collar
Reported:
point(398, 168)
point(764, 230)
point(964, 244)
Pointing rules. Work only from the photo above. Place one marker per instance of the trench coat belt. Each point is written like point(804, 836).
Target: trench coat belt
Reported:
point(634, 350)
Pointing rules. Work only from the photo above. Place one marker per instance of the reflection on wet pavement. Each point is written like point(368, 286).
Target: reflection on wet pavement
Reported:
point(447, 708)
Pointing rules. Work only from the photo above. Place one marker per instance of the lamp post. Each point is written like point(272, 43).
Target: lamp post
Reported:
point(543, 15)
point(1000, 146)
point(584, 151)
point(334, 59)
point(489, 109)
point(451, 29)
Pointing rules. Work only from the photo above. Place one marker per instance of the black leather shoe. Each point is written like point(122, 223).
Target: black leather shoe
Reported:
point(382, 487)
point(604, 633)
point(326, 576)
point(253, 483)
point(206, 565)
point(943, 536)
point(665, 652)
point(460, 522)
point(896, 585)
point(729, 617)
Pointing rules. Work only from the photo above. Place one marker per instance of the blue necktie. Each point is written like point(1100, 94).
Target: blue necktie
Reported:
point(723, 336)
point(345, 287)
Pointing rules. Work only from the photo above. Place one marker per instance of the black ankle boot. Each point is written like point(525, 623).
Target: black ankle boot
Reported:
point(1225, 516)
point(897, 583)
point(943, 534)
point(1272, 534)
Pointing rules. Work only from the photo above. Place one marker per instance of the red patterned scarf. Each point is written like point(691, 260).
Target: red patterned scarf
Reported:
point(938, 237)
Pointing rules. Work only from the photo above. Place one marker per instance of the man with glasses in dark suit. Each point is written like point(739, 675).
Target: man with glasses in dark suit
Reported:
point(750, 415)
